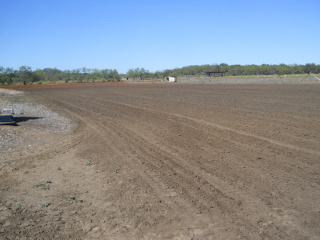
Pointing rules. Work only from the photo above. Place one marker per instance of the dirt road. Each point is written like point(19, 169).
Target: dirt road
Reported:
point(171, 161)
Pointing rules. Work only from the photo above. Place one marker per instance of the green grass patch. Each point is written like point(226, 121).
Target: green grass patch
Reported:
point(44, 204)
point(71, 197)
point(45, 185)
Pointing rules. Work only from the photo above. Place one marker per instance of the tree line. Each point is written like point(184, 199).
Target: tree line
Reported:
point(244, 70)
point(24, 75)
point(228, 70)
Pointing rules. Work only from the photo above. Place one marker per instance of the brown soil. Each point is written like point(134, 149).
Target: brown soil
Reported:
point(169, 161)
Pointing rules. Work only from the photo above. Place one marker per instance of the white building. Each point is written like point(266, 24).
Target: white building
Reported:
point(171, 79)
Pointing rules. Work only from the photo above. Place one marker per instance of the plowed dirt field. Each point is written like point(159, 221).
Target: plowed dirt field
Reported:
point(170, 161)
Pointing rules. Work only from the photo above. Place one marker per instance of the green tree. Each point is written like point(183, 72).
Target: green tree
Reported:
point(283, 69)
point(7, 76)
point(310, 68)
point(26, 76)
point(137, 73)
point(296, 69)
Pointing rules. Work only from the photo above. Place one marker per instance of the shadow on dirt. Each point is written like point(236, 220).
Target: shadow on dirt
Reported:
point(25, 119)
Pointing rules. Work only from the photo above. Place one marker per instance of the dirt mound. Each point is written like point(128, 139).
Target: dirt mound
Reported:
point(158, 161)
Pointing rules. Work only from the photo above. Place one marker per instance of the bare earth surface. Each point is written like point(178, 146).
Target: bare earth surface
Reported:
point(168, 161)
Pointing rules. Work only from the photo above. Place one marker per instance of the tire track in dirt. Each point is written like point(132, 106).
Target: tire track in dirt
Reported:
point(219, 126)
point(150, 151)
point(194, 165)
point(278, 119)
point(232, 130)
point(200, 196)
point(144, 151)
point(195, 124)
point(146, 180)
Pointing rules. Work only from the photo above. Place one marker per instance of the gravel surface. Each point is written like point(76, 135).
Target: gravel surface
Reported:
point(35, 119)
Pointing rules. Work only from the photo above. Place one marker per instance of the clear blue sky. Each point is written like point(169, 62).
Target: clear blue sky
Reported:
point(157, 34)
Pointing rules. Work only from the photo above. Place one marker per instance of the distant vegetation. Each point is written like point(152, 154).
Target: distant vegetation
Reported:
point(245, 70)
point(24, 75)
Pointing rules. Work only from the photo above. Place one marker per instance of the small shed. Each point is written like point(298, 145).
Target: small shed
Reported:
point(171, 79)
point(215, 74)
